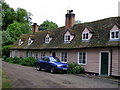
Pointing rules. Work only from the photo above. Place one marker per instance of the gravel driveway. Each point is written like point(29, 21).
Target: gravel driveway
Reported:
point(28, 77)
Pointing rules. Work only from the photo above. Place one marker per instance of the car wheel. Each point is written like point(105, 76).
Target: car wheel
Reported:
point(38, 67)
point(52, 70)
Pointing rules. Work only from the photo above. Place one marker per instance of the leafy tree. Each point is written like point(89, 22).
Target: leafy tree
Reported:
point(0, 21)
point(6, 50)
point(6, 39)
point(16, 29)
point(0, 43)
point(9, 15)
point(0, 16)
point(47, 25)
point(23, 16)
point(25, 28)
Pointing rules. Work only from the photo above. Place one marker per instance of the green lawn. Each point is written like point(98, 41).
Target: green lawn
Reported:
point(5, 81)
point(0, 78)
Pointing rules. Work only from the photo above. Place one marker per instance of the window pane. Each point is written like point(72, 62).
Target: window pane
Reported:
point(117, 34)
point(68, 37)
point(29, 41)
point(80, 61)
point(47, 40)
point(86, 36)
point(42, 54)
point(65, 60)
point(29, 54)
point(112, 34)
point(83, 36)
point(35, 55)
point(82, 57)
point(65, 37)
point(64, 56)
point(83, 61)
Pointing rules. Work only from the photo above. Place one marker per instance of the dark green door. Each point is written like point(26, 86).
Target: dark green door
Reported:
point(104, 63)
point(54, 54)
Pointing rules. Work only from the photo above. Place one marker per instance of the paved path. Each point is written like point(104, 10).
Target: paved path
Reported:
point(28, 77)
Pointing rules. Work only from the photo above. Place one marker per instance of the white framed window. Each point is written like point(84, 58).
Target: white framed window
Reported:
point(42, 54)
point(15, 53)
point(29, 53)
point(67, 39)
point(10, 53)
point(85, 36)
point(20, 42)
point(36, 55)
point(115, 35)
point(25, 54)
point(47, 40)
point(82, 58)
point(30, 41)
point(64, 57)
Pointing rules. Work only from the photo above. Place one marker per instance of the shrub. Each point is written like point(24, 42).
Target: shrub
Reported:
point(15, 60)
point(8, 59)
point(6, 50)
point(29, 61)
point(75, 68)
point(4, 58)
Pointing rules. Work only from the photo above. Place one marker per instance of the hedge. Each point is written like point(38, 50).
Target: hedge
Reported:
point(29, 61)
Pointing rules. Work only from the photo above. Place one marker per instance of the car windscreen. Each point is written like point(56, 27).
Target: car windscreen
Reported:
point(54, 59)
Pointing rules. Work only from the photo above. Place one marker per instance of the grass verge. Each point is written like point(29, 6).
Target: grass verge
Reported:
point(5, 81)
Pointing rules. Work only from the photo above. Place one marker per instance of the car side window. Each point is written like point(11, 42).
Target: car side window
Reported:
point(46, 59)
point(42, 58)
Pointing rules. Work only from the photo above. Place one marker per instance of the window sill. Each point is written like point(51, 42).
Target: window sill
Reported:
point(67, 42)
point(82, 64)
point(114, 40)
point(85, 40)
point(63, 62)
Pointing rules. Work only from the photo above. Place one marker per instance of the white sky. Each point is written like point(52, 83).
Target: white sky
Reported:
point(55, 10)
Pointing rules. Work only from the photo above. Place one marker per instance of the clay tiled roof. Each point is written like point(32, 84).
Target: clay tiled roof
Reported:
point(100, 30)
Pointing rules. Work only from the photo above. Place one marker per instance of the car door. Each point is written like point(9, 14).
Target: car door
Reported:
point(46, 63)
point(42, 62)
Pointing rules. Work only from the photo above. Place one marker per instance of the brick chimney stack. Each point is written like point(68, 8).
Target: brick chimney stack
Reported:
point(70, 18)
point(34, 28)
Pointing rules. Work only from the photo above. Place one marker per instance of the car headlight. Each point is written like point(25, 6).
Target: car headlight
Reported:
point(59, 65)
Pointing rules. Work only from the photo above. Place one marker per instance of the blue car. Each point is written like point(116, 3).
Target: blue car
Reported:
point(52, 64)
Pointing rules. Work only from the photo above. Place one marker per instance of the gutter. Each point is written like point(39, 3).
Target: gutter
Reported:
point(57, 48)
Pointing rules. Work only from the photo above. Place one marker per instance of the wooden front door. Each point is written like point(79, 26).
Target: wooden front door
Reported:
point(104, 63)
